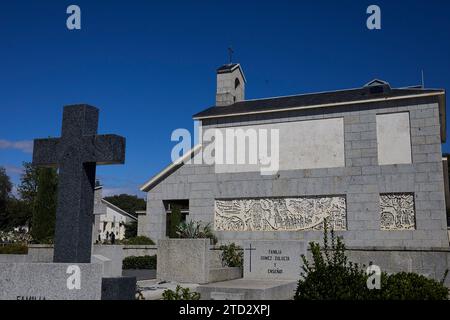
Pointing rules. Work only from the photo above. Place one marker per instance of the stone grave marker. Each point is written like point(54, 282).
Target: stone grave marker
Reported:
point(76, 154)
point(273, 260)
point(50, 281)
point(71, 276)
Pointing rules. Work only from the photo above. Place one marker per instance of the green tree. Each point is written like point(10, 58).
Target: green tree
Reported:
point(174, 221)
point(131, 230)
point(44, 215)
point(28, 183)
point(27, 189)
point(5, 195)
point(17, 214)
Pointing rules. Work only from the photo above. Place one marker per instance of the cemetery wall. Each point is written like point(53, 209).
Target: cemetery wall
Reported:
point(139, 250)
point(44, 253)
point(13, 258)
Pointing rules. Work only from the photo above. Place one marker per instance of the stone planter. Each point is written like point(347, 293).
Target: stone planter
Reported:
point(183, 260)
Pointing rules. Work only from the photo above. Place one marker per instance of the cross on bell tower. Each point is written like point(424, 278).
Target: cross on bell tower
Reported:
point(230, 55)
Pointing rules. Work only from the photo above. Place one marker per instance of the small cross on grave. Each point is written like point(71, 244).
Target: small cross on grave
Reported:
point(76, 154)
point(250, 249)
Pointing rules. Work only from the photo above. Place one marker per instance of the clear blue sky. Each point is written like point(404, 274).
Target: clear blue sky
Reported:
point(150, 65)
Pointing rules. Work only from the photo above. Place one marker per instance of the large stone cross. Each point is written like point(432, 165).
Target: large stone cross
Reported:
point(76, 154)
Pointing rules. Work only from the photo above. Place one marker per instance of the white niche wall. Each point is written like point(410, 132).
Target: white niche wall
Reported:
point(394, 138)
point(308, 144)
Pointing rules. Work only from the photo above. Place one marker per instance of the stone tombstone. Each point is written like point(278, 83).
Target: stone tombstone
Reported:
point(50, 281)
point(273, 259)
point(71, 276)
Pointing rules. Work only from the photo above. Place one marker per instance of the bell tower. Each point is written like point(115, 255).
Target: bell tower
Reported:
point(230, 84)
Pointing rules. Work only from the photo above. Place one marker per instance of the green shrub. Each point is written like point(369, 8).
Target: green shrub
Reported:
point(143, 262)
point(14, 248)
point(180, 293)
point(232, 255)
point(140, 240)
point(196, 230)
point(333, 277)
point(411, 286)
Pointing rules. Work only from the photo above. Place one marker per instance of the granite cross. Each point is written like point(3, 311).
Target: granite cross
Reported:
point(76, 154)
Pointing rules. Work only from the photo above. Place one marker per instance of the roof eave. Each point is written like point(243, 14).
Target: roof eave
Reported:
point(326, 105)
point(156, 179)
point(242, 72)
point(116, 208)
point(237, 66)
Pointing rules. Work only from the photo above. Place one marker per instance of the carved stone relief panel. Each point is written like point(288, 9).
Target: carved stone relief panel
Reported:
point(281, 214)
point(397, 211)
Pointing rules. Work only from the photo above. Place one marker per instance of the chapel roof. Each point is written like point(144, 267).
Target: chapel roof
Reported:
point(376, 90)
point(118, 210)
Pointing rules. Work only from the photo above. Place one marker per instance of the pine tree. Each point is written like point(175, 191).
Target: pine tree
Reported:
point(174, 221)
point(131, 230)
point(44, 215)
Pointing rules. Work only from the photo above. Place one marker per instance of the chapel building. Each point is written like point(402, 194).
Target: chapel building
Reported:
point(367, 160)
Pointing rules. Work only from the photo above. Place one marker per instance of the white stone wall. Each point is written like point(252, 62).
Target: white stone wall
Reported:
point(308, 144)
point(393, 138)
point(112, 221)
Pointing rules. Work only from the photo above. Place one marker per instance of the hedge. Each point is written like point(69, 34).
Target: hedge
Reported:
point(140, 240)
point(14, 248)
point(142, 262)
